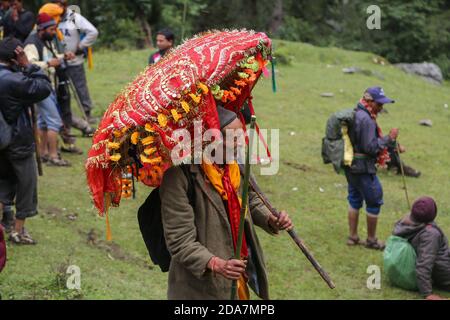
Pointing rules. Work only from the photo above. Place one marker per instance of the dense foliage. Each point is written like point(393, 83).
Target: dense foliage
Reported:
point(411, 31)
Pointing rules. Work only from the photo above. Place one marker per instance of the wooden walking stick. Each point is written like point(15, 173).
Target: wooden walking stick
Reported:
point(36, 141)
point(403, 175)
point(244, 207)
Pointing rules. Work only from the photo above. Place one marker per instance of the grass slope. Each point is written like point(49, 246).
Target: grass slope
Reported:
point(122, 270)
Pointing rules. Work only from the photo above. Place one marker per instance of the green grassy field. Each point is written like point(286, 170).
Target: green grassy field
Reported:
point(68, 223)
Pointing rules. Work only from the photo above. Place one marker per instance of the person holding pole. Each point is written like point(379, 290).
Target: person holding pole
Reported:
point(371, 150)
point(202, 233)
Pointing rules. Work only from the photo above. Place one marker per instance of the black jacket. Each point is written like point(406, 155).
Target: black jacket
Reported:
point(18, 92)
point(433, 254)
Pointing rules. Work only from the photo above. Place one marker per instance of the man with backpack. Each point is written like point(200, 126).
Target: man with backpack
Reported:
point(370, 151)
point(19, 90)
point(430, 244)
point(200, 210)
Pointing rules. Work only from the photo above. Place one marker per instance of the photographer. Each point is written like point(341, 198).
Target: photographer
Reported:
point(18, 172)
point(40, 50)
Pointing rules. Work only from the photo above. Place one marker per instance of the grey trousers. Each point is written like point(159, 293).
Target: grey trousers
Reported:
point(18, 181)
point(78, 76)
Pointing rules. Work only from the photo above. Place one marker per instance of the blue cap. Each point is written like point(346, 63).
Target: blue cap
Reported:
point(377, 94)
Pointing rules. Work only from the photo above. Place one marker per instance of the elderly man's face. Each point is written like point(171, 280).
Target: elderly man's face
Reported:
point(234, 139)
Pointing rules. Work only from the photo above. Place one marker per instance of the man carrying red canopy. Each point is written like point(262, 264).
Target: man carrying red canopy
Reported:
point(202, 237)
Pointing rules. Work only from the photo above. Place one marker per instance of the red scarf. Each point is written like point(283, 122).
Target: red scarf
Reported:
point(383, 155)
point(227, 183)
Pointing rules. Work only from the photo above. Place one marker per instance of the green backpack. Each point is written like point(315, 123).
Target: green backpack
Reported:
point(400, 263)
point(334, 145)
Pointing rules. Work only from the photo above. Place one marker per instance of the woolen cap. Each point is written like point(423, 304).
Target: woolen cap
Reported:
point(424, 210)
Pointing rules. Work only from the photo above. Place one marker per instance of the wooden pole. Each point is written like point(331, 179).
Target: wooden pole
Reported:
point(37, 141)
point(403, 175)
point(244, 207)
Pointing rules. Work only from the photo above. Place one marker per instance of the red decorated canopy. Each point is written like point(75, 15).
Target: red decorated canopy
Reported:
point(135, 133)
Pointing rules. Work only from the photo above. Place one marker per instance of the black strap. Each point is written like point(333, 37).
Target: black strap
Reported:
point(191, 188)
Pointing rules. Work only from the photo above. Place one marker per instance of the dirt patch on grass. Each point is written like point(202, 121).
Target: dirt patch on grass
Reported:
point(113, 250)
point(297, 166)
point(53, 212)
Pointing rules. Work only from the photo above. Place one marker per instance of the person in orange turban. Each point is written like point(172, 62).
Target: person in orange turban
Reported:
point(55, 11)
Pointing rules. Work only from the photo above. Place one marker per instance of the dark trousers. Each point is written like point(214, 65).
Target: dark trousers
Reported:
point(78, 76)
point(64, 103)
point(18, 181)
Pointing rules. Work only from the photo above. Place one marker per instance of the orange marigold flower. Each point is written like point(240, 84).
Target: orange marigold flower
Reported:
point(252, 78)
point(175, 115)
point(149, 128)
point(240, 83)
point(162, 119)
point(185, 106)
point(236, 91)
point(225, 96)
point(135, 138)
point(195, 98)
point(118, 134)
point(113, 145)
point(147, 141)
point(146, 160)
point(115, 158)
point(203, 87)
point(150, 151)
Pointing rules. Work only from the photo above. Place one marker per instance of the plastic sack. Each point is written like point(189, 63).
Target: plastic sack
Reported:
point(400, 263)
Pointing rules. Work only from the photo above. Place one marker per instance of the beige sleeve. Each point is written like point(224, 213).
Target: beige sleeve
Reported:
point(33, 56)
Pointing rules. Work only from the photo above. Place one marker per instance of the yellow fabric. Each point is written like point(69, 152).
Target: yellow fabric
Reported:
point(348, 148)
point(108, 225)
point(90, 57)
point(59, 35)
point(215, 175)
point(243, 292)
point(53, 10)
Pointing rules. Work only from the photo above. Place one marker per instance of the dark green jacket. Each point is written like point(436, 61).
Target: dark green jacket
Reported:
point(433, 254)
point(193, 237)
